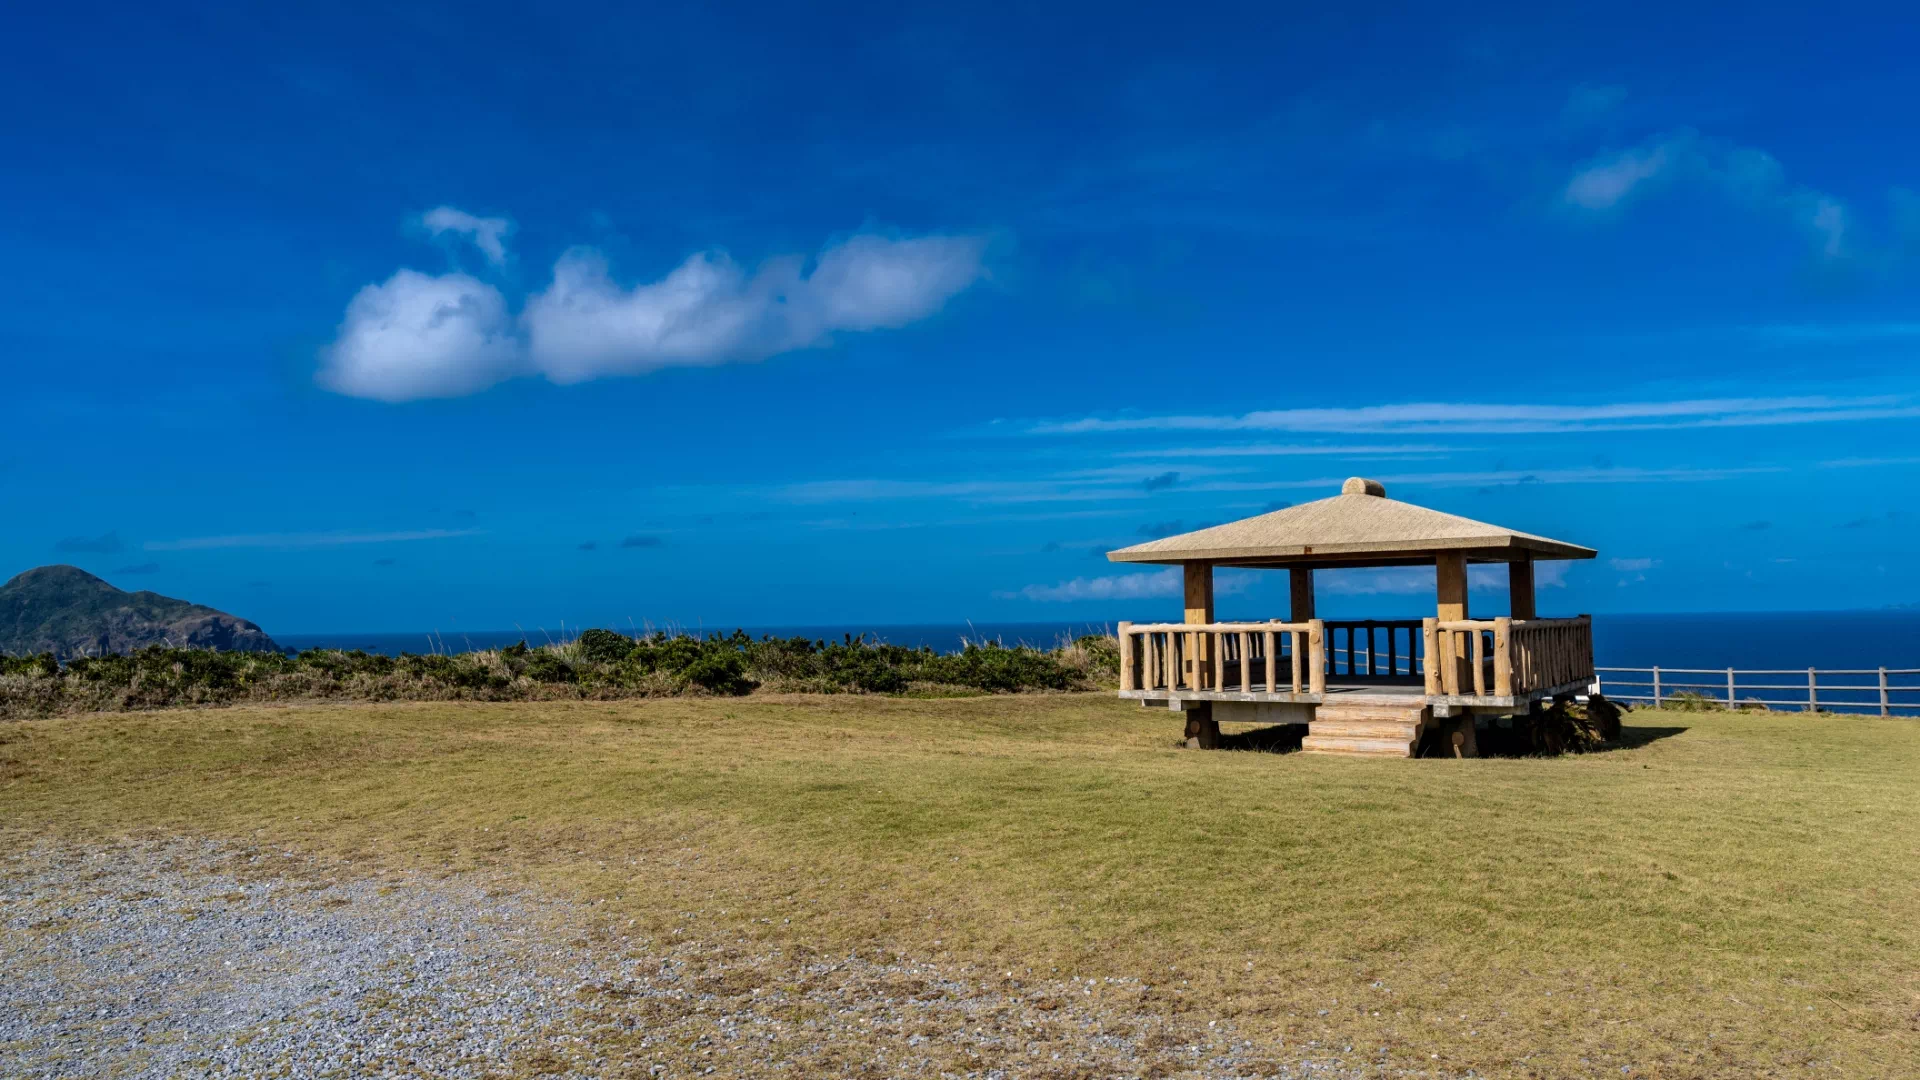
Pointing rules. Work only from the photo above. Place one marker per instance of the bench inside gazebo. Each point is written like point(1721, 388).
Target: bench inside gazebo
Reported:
point(1395, 687)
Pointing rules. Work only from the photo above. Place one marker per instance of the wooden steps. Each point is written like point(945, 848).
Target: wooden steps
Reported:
point(1364, 728)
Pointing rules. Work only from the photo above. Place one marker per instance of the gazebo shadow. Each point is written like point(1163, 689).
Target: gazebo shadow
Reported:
point(1632, 736)
point(1277, 739)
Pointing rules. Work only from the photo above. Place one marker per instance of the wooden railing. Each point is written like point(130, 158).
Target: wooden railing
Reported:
point(1507, 657)
point(1268, 656)
point(1362, 654)
point(1888, 691)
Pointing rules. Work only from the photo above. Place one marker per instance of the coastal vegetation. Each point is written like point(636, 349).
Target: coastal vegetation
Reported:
point(597, 665)
point(1719, 895)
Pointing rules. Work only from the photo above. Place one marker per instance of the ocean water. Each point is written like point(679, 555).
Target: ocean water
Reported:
point(1795, 640)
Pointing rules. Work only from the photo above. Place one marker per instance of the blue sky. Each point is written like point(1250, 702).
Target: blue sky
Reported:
point(409, 317)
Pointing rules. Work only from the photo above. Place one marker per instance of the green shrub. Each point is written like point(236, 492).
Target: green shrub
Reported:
point(598, 646)
point(41, 666)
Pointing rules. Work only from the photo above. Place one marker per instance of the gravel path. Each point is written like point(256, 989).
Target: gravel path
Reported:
point(189, 958)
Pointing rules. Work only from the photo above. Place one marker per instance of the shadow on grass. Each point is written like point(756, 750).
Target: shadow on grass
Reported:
point(1278, 739)
point(1631, 737)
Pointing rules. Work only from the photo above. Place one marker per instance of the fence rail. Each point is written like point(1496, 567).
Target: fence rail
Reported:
point(1890, 691)
point(1273, 656)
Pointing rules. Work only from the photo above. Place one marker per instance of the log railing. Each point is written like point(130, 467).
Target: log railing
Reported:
point(1506, 657)
point(1268, 656)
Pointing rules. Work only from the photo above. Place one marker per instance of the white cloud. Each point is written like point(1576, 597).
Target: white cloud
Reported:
point(304, 540)
point(1633, 566)
point(1159, 583)
point(710, 311)
point(1604, 183)
point(1750, 177)
point(1117, 587)
point(417, 336)
point(1386, 581)
point(487, 234)
point(1483, 418)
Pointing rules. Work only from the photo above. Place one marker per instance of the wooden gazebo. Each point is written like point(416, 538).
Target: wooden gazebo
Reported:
point(1374, 686)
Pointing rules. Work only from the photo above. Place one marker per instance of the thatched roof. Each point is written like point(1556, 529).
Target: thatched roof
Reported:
point(1358, 527)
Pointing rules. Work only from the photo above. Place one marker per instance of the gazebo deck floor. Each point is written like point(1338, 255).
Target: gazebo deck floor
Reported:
point(1382, 690)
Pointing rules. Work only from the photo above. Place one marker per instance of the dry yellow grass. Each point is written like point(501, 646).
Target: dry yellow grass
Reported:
point(1737, 898)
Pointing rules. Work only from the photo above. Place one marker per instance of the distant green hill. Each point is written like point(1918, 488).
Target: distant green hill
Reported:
point(68, 612)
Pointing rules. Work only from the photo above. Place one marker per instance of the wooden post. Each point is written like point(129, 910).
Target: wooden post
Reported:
point(1883, 691)
point(1520, 588)
point(1202, 729)
point(1272, 642)
point(1450, 580)
point(1126, 658)
point(1502, 657)
point(1729, 689)
point(1300, 586)
point(1450, 583)
point(1430, 647)
point(1813, 694)
point(1316, 656)
point(1199, 601)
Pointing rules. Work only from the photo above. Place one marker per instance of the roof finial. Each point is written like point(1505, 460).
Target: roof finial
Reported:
point(1360, 485)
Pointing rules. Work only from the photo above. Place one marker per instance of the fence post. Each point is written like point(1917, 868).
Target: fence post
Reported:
point(1729, 689)
point(1883, 691)
point(1656, 687)
point(1125, 633)
point(1813, 693)
point(1317, 656)
point(1430, 654)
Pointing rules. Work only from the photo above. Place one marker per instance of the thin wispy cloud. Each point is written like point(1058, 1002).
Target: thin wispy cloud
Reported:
point(1433, 418)
point(487, 234)
point(1582, 475)
point(1275, 450)
point(1094, 490)
point(422, 336)
point(304, 540)
point(1750, 177)
point(104, 544)
point(1867, 462)
point(1000, 491)
point(1835, 333)
point(1590, 102)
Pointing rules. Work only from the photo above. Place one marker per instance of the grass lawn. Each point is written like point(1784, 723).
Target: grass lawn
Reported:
point(1734, 895)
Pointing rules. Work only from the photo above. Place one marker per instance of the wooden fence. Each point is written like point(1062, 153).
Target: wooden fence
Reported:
point(1506, 657)
point(1889, 691)
point(1271, 656)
